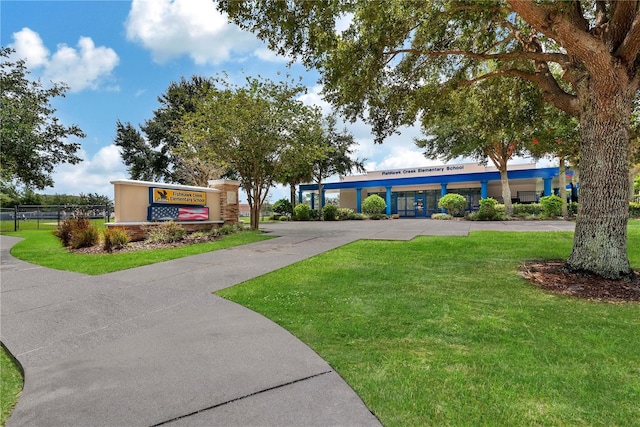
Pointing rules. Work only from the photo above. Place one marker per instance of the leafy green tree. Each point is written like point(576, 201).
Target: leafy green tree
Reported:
point(490, 120)
point(558, 137)
point(247, 129)
point(153, 157)
point(298, 158)
point(336, 154)
point(33, 139)
point(142, 161)
point(395, 57)
point(283, 207)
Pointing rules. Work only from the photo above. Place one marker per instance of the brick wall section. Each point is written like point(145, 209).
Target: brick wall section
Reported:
point(137, 231)
point(229, 202)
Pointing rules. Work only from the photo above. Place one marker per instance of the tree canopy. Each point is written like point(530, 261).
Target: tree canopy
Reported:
point(249, 129)
point(393, 58)
point(336, 154)
point(33, 139)
point(491, 120)
point(153, 157)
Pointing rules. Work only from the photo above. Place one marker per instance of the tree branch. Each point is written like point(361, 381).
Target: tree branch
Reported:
point(620, 22)
point(630, 46)
point(551, 91)
point(550, 21)
point(534, 56)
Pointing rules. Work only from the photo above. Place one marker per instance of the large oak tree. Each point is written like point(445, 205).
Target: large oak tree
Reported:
point(392, 58)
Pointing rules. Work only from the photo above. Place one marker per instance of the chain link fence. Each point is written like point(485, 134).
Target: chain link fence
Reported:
point(38, 217)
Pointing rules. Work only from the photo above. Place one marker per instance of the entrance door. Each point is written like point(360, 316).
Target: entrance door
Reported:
point(419, 206)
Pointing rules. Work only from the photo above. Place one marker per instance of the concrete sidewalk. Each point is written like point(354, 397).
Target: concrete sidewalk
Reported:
point(153, 345)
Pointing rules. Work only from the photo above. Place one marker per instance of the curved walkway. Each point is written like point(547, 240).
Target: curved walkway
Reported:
point(153, 346)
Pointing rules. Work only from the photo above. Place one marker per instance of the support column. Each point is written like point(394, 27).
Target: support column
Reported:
point(313, 201)
point(300, 196)
point(547, 186)
point(443, 192)
point(229, 207)
point(358, 200)
point(388, 200)
point(322, 199)
point(484, 189)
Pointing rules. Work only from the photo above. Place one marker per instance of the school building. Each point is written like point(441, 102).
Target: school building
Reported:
point(414, 192)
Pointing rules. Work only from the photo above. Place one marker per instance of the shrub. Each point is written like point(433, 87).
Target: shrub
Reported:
point(330, 212)
point(114, 238)
point(84, 238)
point(453, 203)
point(283, 207)
point(373, 204)
point(165, 232)
point(345, 214)
point(284, 218)
point(71, 227)
point(443, 216)
point(634, 210)
point(226, 229)
point(572, 209)
point(302, 212)
point(488, 210)
point(552, 206)
point(529, 209)
point(314, 214)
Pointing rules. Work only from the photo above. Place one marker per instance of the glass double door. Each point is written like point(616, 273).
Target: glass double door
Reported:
point(426, 204)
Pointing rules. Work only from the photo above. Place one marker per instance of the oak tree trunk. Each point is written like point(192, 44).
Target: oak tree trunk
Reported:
point(600, 239)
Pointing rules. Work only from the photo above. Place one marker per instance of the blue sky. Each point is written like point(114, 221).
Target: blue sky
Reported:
point(118, 56)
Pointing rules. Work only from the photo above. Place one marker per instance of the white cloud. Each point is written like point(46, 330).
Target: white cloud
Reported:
point(268, 55)
point(84, 67)
point(171, 28)
point(313, 97)
point(91, 175)
point(29, 46)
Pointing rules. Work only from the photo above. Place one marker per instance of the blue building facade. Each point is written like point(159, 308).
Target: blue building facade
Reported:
point(414, 192)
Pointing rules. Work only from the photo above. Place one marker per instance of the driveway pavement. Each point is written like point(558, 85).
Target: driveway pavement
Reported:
point(153, 346)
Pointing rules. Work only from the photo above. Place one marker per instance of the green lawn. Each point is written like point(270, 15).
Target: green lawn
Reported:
point(43, 248)
point(10, 384)
point(443, 331)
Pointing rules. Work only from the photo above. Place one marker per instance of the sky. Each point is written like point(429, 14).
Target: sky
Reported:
point(117, 57)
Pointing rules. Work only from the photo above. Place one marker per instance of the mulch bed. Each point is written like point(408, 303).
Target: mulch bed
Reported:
point(142, 245)
point(553, 276)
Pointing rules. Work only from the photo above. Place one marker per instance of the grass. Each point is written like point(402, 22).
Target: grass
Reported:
point(10, 384)
point(443, 331)
point(43, 248)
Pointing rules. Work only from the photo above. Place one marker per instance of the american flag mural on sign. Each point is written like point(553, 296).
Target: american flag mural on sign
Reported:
point(177, 213)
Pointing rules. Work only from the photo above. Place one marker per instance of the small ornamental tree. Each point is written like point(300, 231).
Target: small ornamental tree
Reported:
point(283, 207)
point(373, 204)
point(453, 203)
